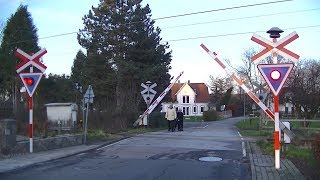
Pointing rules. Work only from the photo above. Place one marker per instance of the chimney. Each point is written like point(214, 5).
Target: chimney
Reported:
point(178, 81)
point(188, 81)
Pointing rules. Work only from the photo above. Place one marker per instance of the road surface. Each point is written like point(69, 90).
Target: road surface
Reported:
point(207, 150)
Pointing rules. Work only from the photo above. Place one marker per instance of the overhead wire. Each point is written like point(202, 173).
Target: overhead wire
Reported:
point(222, 9)
point(175, 16)
point(240, 18)
point(239, 33)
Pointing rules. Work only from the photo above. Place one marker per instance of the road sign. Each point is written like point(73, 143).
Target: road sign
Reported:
point(259, 87)
point(89, 95)
point(149, 88)
point(275, 75)
point(28, 60)
point(262, 96)
point(30, 81)
point(275, 47)
point(148, 93)
point(157, 101)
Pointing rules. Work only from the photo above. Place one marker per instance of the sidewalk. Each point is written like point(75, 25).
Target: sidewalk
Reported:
point(262, 166)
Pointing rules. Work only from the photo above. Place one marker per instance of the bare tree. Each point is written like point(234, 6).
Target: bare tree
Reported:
point(304, 83)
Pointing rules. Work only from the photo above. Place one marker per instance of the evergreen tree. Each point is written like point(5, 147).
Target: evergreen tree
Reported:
point(19, 32)
point(123, 36)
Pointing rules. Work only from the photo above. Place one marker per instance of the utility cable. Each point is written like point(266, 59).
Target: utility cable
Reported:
point(222, 9)
point(233, 34)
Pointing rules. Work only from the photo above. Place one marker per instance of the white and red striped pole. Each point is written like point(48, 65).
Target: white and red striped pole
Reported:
point(277, 131)
point(157, 101)
point(30, 106)
point(31, 119)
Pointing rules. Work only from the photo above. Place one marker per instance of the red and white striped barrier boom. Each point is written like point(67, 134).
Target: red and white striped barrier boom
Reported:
point(157, 101)
point(239, 82)
point(246, 89)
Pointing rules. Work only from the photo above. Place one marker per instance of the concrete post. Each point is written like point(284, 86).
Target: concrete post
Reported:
point(8, 131)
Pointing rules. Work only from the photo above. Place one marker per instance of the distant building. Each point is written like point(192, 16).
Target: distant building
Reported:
point(191, 98)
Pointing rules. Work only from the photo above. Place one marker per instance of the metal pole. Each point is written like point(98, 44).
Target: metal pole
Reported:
point(148, 104)
point(277, 131)
point(244, 105)
point(30, 123)
point(86, 125)
point(83, 104)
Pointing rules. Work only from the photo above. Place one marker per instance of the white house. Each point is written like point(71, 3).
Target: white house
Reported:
point(61, 115)
point(191, 98)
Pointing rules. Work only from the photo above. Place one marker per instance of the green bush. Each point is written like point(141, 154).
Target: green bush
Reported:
point(157, 120)
point(210, 115)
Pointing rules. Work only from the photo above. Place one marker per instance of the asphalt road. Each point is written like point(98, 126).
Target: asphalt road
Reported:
point(155, 156)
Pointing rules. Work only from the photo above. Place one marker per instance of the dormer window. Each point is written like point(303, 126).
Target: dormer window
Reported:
point(185, 99)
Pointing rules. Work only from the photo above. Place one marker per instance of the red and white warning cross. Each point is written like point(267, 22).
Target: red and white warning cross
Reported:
point(30, 60)
point(275, 47)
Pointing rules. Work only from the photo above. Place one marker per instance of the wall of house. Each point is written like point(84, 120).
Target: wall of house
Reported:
point(186, 107)
point(186, 91)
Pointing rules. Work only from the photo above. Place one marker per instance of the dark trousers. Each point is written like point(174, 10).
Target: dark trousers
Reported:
point(180, 125)
point(172, 125)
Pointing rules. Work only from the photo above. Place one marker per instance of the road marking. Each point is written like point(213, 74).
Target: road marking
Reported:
point(201, 127)
point(81, 154)
point(113, 144)
point(244, 152)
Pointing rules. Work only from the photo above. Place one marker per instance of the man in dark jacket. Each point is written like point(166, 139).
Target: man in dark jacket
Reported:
point(180, 120)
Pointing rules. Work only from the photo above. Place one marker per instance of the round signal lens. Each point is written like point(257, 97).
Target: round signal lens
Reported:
point(29, 81)
point(275, 75)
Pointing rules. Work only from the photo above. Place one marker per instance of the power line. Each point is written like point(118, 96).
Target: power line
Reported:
point(240, 18)
point(239, 33)
point(174, 16)
point(222, 9)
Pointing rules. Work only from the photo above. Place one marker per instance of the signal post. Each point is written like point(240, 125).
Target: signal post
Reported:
point(30, 81)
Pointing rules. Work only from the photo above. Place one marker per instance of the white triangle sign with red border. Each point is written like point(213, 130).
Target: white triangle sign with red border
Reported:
point(275, 75)
point(35, 77)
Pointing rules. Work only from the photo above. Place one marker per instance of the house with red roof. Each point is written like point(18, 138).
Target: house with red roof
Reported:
point(191, 98)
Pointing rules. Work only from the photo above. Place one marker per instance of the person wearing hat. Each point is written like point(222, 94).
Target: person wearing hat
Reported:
point(171, 115)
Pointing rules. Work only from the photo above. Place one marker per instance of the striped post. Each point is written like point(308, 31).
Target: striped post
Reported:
point(157, 101)
point(30, 106)
point(277, 132)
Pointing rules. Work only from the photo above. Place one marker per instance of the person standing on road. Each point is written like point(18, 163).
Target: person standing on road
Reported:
point(171, 115)
point(180, 120)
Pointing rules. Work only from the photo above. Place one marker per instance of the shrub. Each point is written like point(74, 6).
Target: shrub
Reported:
point(157, 120)
point(210, 115)
point(316, 147)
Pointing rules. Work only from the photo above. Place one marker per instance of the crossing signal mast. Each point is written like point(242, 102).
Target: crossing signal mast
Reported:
point(30, 80)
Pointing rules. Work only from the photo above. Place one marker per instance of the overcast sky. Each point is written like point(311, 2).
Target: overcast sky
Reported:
point(182, 33)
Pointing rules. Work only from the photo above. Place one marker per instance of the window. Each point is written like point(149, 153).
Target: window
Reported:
point(185, 110)
point(195, 109)
point(185, 99)
point(201, 109)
